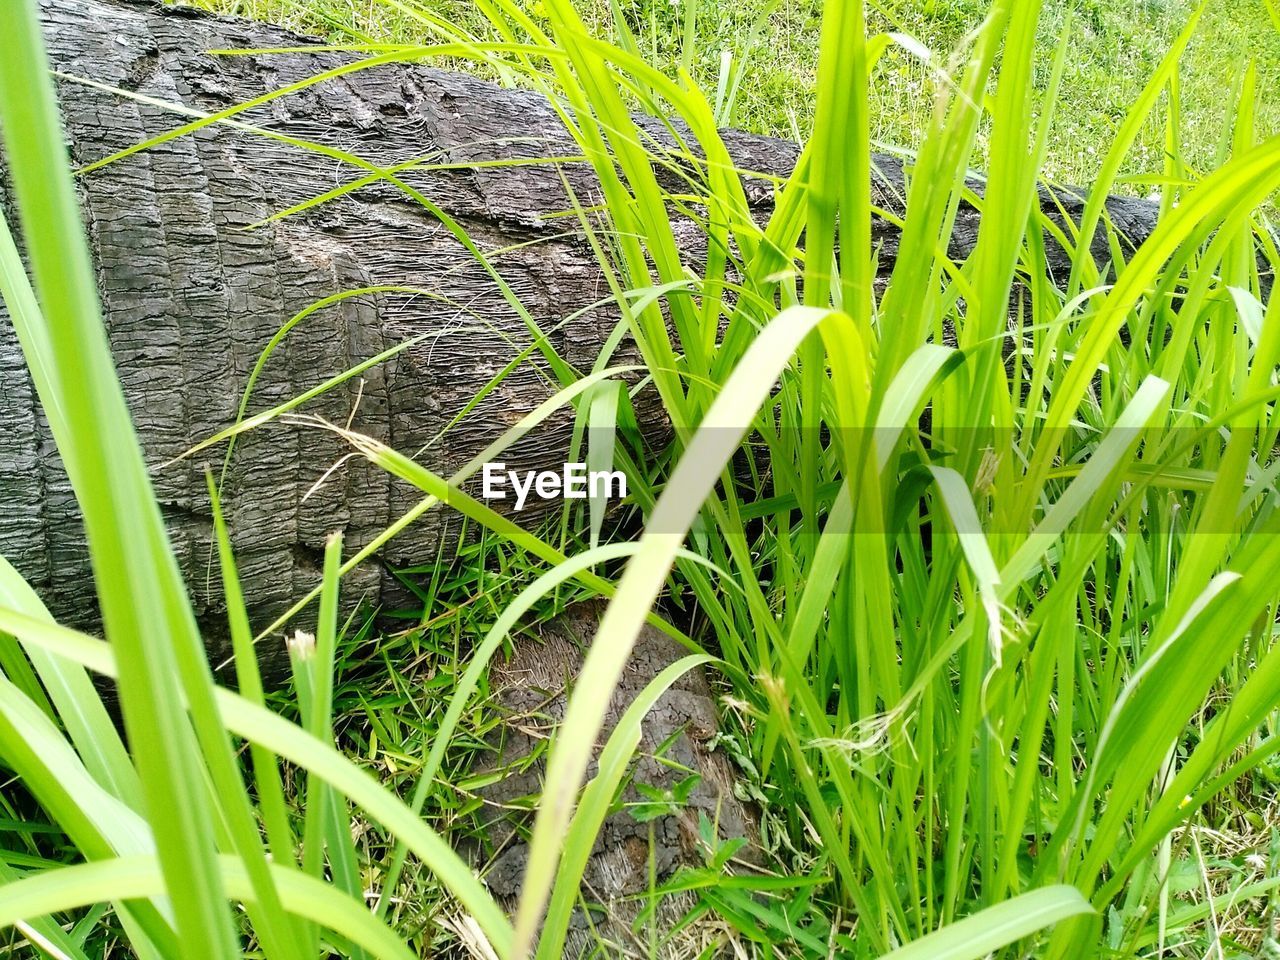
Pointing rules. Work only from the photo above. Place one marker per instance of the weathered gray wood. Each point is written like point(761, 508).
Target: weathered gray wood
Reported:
point(193, 291)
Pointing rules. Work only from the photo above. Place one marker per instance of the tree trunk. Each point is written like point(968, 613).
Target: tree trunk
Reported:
point(194, 286)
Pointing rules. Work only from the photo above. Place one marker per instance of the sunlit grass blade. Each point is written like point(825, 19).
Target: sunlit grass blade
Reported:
point(979, 935)
point(693, 479)
point(258, 725)
point(137, 877)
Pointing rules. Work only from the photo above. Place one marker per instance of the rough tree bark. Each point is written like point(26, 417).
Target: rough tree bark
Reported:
point(193, 289)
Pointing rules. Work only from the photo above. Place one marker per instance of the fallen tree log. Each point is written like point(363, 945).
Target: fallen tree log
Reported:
point(196, 280)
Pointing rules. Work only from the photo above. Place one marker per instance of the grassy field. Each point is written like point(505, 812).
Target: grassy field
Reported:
point(1002, 686)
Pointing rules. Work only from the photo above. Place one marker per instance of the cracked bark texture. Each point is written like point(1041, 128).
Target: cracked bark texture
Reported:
point(193, 289)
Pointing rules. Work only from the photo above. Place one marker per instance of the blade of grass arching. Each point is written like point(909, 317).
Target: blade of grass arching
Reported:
point(136, 877)
point(292, 744)
point(554, 361)
point(139, 586)
point(97, 823)
point(43, 933)
point(973, 544)
point(920, 374)
point(1148, 718)
point(694, 478)
point(131, 877)
point(277, 339)
point(78, 704)
point(597, 800)
point(1242, 184)
point(266, 772)
point(987, 931)
point(702, 162)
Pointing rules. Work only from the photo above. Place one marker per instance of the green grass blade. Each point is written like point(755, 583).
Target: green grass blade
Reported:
point(978, 936)
point(139, 587)
point(695, 476)
point(136, 877)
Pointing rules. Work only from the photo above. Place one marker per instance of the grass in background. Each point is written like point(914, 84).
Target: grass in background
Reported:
point(772, 49)
point(994, 684)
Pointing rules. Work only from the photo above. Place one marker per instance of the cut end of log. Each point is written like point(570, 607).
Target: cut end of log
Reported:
point(677, 742)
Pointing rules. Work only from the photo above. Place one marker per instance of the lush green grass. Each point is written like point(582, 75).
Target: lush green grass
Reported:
point(1115, 46)
point(1000, 687)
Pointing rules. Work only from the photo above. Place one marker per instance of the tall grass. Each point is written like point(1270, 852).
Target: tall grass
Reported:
point(989, 671)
